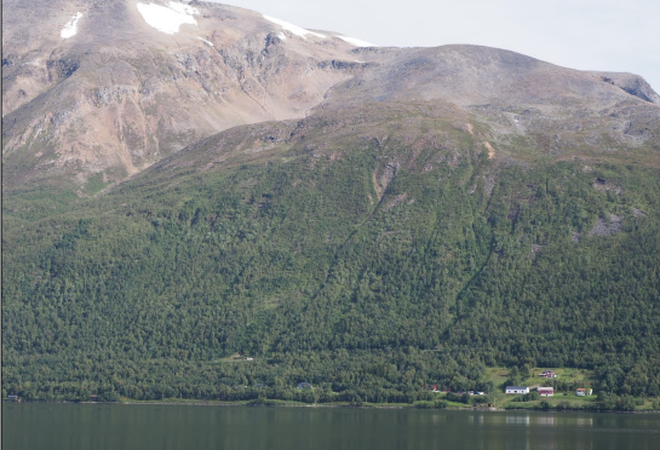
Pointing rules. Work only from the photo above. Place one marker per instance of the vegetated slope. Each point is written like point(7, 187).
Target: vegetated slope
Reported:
point(368, 250)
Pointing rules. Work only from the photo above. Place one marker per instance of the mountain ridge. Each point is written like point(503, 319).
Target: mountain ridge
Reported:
point(106, 108)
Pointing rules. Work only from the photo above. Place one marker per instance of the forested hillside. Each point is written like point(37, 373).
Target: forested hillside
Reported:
point(365, 266)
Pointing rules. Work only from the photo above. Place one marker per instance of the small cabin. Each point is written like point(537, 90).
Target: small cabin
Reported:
point(583, 392)
point(517, 390)
point(548, 374)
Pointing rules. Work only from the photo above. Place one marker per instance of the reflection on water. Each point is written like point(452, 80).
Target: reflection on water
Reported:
point(145, 427)
point(546, 420)
point(517, 420)
point(585, 421)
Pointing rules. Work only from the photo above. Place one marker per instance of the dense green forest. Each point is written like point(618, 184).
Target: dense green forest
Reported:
point(368, 274)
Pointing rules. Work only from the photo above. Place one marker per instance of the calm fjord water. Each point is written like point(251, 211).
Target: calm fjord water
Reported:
point(145, 427)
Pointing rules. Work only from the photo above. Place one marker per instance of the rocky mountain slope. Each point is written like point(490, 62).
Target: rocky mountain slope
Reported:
point(114, 93)
point(104, 89)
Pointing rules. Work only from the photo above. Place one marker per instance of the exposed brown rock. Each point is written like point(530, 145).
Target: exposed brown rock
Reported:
point(121, 95)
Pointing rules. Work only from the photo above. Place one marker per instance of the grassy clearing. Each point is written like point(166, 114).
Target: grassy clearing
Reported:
point(568, 379)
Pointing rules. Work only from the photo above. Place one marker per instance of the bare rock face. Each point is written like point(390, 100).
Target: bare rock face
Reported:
point(99, 88)
point(108, 87)
point(526, 103)
point(632, 84)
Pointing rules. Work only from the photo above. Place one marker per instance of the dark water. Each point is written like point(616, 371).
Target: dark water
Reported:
point(145, 427)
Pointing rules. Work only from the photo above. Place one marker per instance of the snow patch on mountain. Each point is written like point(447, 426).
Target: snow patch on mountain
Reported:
point(295, 29)
point(71, 28)
point(356, 42)
point(208, 42)
point(169, 18)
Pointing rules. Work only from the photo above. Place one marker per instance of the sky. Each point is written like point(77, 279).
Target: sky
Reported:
point(606, 35)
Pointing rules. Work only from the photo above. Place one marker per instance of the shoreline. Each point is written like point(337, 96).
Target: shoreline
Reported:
point(334, 405)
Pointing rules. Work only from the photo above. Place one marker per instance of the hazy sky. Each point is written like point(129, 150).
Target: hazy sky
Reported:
point(609, 35)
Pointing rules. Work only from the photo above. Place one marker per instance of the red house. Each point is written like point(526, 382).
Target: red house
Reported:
point(546, 391)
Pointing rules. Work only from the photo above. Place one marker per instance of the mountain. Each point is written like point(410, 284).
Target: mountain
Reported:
point(120, 93)
point(418, 216)
point(103, 89)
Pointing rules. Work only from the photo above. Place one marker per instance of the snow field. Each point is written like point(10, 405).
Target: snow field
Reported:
point(356, 42)
point(167, 19)
point(71, 28)
point(295, 29)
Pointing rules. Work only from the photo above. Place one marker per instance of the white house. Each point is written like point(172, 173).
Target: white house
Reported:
point(517, 390)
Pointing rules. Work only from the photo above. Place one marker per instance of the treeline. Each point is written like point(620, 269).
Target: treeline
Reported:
point(306, 267)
